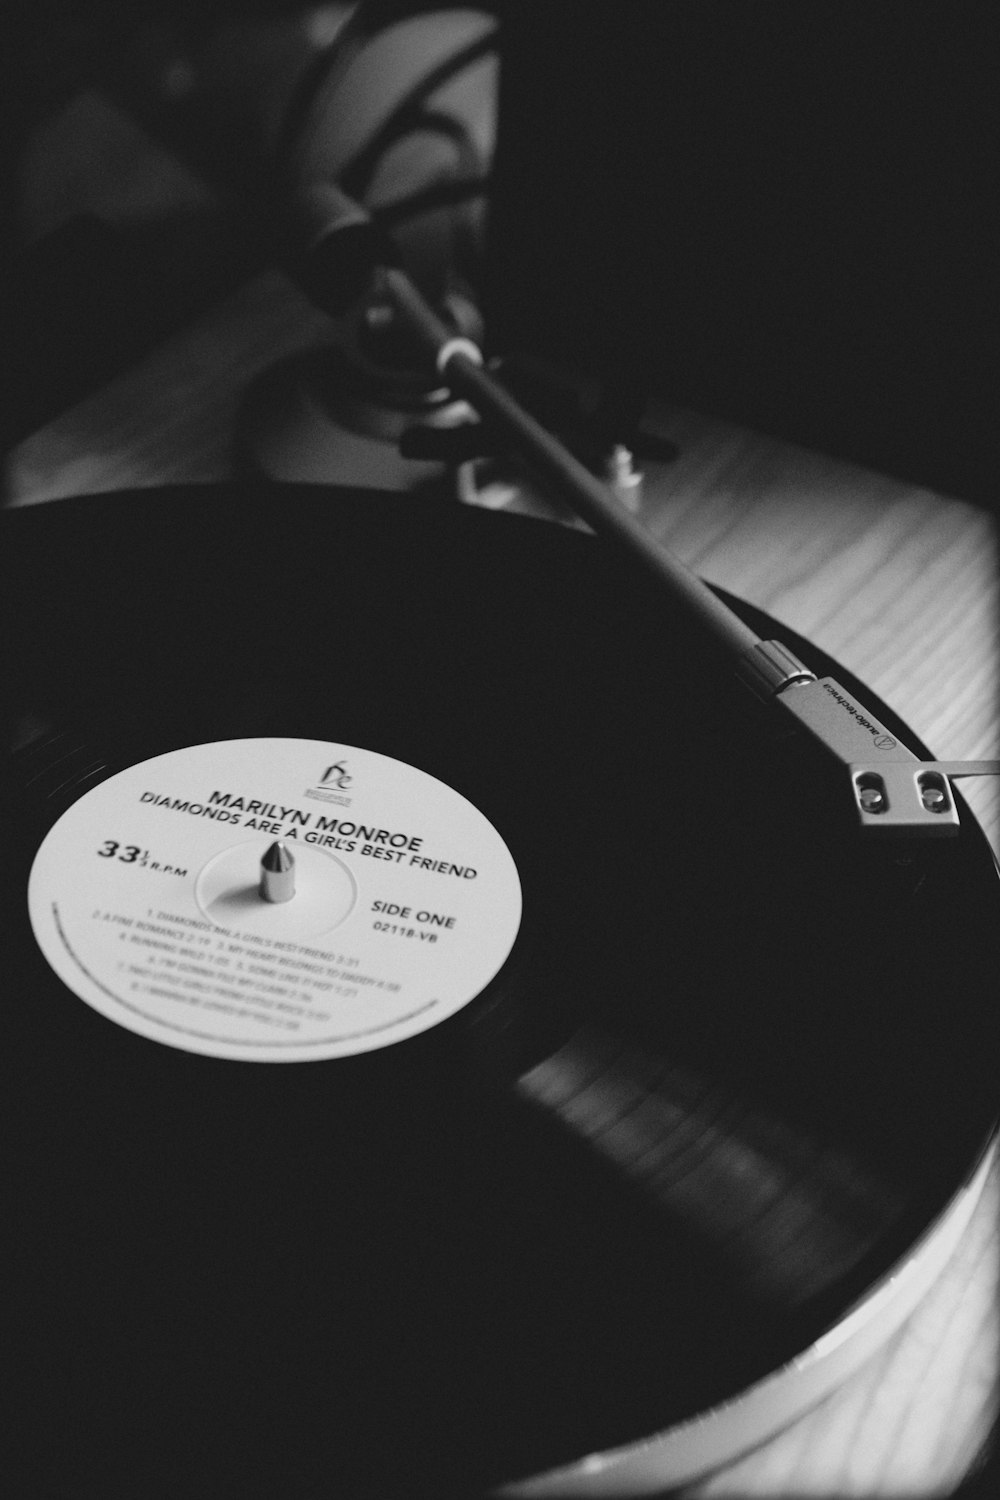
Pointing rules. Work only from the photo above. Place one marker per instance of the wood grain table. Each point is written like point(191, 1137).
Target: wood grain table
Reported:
point(898, 583)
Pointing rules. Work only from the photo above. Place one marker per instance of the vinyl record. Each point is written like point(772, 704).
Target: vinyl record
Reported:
point(706, 1101)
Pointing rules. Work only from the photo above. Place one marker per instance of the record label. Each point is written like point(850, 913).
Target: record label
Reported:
point(145, 899)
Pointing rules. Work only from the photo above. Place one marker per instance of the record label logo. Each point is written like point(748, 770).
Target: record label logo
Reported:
point(338, 774)
point(333, 785)
point(146, 899)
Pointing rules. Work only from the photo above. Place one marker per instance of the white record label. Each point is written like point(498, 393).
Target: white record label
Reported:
point(144, 898)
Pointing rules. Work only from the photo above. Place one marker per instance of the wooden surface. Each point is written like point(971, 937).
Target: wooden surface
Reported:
point(898, 583)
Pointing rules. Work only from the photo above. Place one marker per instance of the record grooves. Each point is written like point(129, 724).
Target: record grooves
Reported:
point(694, 1116)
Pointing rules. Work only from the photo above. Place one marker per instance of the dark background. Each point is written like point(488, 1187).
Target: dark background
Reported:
point(782, 211)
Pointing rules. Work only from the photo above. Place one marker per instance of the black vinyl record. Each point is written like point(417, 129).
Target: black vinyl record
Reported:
point(735, 1067)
